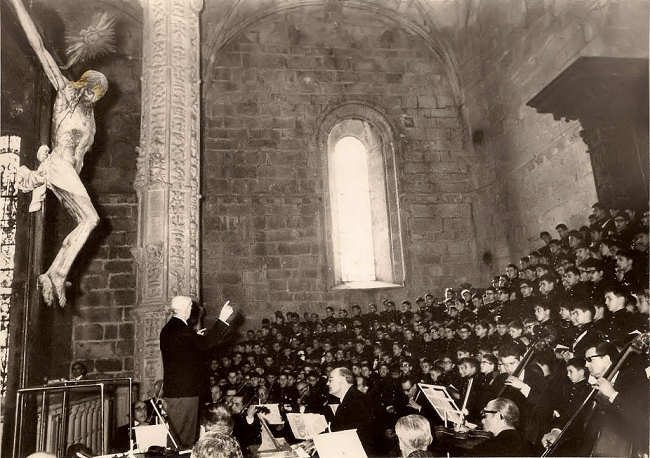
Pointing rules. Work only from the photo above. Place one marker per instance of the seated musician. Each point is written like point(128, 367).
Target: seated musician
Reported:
point(490, 378)
point(247, 428)
point(619, 424)
point(414, 435)
point(524, 387)
point(406, 404)
point(139, 416)
point(216, 419)
point(472, 389)
point(566, 404)
point(582, 314)
point(500, 417)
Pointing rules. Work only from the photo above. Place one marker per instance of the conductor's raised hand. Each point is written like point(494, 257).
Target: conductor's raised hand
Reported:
point(227, 311)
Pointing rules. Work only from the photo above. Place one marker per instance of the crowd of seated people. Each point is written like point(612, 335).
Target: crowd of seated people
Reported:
point(518, 356)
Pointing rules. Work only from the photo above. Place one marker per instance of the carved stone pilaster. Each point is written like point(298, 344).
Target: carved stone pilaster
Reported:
point(167, 177)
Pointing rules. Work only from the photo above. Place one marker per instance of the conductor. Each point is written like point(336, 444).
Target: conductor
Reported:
point(181, 349)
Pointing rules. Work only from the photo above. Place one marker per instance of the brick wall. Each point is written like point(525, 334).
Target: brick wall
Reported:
point(263, 240)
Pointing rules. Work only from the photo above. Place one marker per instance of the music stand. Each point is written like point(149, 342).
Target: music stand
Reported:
point(165, 422)
point(267, 436)
point(442, 402)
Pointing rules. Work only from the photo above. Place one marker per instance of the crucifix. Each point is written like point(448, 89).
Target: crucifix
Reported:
point(72, 135)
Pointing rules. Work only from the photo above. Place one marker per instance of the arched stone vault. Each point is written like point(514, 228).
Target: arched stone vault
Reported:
point(414, 16)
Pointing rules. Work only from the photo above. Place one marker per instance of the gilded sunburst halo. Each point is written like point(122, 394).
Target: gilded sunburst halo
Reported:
point(97, 40)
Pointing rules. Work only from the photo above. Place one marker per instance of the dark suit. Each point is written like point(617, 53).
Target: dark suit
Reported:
point(620, 428)
point(620, 324)
point(531, 424)
point(182, 354)
point(354, 412)
point(566, 403)
point(586, 336)
point(507, 443)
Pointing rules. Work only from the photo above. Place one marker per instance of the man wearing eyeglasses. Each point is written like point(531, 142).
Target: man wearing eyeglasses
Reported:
point(525, 389)
point(619, 424)
point(500, 417)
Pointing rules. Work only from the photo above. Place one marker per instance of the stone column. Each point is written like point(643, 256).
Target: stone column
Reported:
point(167, 177)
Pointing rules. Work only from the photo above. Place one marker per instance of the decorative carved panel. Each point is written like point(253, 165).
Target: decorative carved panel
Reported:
point(167, 178)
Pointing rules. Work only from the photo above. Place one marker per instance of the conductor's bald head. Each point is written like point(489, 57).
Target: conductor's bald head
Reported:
point(181, 307)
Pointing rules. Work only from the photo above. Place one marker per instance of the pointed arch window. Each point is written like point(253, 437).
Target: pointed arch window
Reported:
point(364, 234)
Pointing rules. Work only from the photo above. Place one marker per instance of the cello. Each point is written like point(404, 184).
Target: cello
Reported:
point(636, 345)
point(541, 339)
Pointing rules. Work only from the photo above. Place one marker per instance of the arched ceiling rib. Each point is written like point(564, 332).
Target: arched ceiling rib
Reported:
point(223, 20)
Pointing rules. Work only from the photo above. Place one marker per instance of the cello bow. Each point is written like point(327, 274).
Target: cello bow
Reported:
point(636, 345)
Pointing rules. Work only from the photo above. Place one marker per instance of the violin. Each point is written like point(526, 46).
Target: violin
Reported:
point(463, 437)
point(460, 436)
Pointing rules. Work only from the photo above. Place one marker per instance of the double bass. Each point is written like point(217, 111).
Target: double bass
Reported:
point(636, 345)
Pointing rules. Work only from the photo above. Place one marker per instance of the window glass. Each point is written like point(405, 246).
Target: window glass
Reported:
point(352, 193)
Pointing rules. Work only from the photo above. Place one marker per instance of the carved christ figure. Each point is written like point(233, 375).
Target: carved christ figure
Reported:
point(72, 135)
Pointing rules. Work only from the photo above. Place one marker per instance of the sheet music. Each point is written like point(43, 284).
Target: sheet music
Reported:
point(340, 444)
point(442, 402)
point(148, 435)
point(274, 416)
point(306, 425)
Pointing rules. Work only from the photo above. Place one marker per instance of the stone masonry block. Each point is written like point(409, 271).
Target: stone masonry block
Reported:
point(121, 281)
point(126, 331)
point(124, 297)
point(110, 331)
point(94, 350)
point(92, 282)
point(89, 332)
point(100, 314)
point(108, 365)
point(125, 348)
point(426, 225)
point(94, 299)
point(451, 210)
point(119, 266)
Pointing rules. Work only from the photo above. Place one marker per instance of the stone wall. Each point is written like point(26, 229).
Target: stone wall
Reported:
point(263, 237)
point(103, 325)
point(537, 171)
